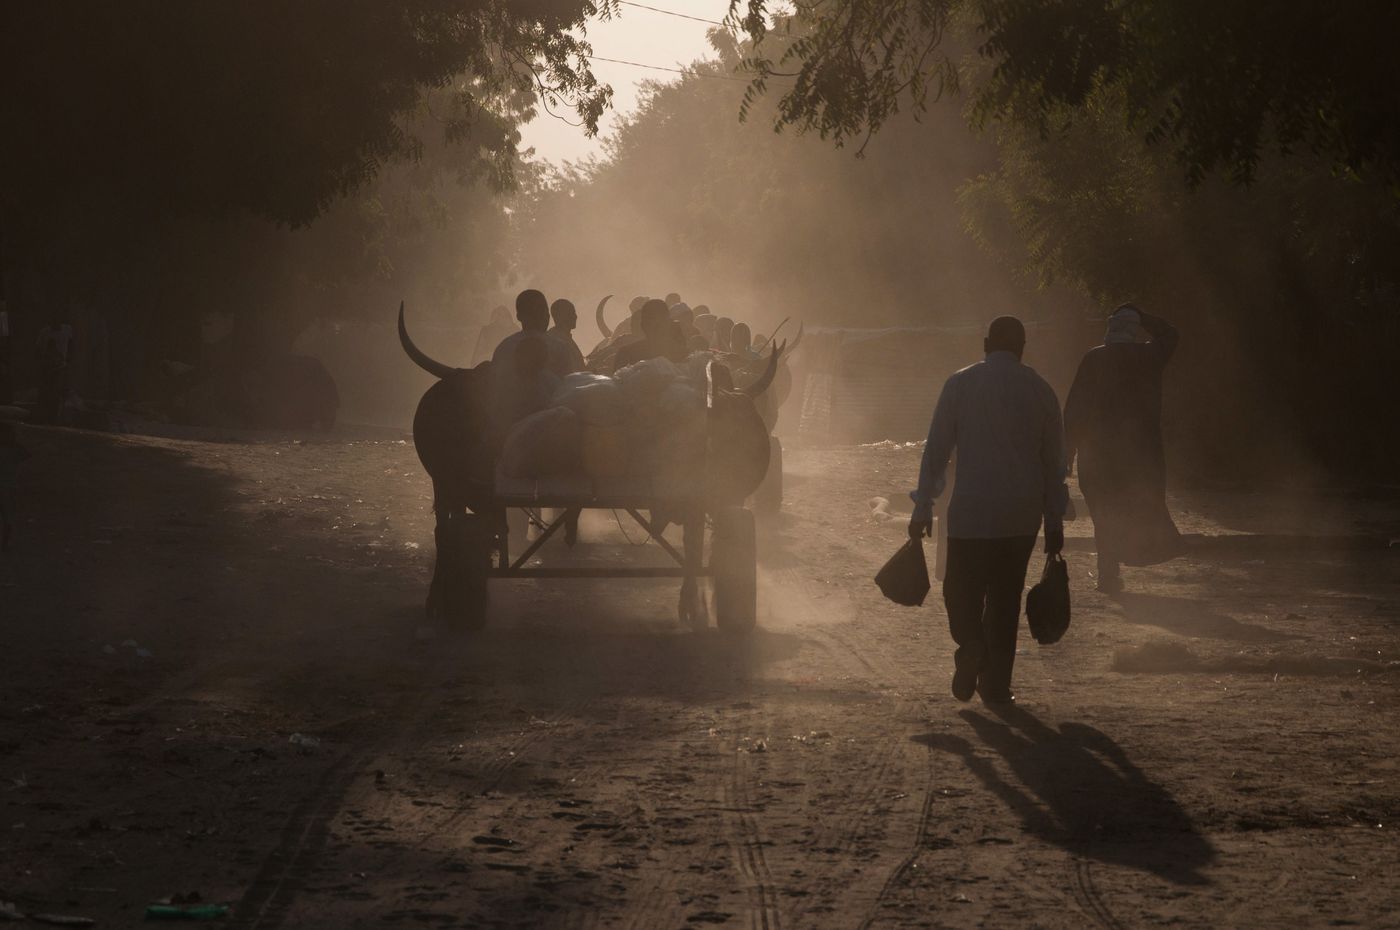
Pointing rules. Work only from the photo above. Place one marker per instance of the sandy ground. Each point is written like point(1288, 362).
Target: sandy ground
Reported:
point(1217, 748)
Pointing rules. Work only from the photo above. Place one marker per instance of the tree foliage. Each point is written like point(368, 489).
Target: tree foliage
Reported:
point(1220, 85)
point(268, 159)
point(1285, 289)
point(270, 107)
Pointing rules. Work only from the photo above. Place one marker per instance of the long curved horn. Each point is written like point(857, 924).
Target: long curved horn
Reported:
point(765, 379)
point(598, 315)
point(801, 327)
point(434, 368)
point(773, 336)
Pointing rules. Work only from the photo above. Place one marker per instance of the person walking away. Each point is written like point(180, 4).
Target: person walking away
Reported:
point(1003, 421)
point(1113, 423)
point(565, 318)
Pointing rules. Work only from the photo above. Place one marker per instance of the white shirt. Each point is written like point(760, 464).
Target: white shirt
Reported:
point(1004, 421)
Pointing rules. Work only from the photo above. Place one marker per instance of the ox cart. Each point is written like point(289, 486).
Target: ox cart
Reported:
point(727, 458)
point(476, 548)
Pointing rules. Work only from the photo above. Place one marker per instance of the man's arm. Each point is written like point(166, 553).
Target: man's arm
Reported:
point(942, 437)
point(1164, 335)
point(1052, 463)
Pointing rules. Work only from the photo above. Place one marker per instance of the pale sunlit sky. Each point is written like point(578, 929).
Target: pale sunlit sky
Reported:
point(638, 35)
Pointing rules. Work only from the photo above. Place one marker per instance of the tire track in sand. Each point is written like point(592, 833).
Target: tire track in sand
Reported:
point(274, 889)
point(1087, 896)
point(747, 841)
point(795, 591)
point(897, 875)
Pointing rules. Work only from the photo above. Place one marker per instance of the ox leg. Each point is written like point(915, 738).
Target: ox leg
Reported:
point(571, 526)
point(442, 539)
point(691, 609)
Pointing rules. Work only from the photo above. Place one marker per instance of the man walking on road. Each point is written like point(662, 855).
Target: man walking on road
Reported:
point(1113, 421)
point(1004, 422)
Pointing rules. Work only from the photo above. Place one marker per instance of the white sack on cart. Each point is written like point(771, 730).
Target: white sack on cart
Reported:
point(544, 444)
point(596, 399)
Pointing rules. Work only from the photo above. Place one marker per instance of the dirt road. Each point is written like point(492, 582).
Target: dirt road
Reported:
point(217, 679)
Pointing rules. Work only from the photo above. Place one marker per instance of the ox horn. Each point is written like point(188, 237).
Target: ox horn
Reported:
point(765, 379)
point(598, 315)
point(801, 328)
point(434, 368)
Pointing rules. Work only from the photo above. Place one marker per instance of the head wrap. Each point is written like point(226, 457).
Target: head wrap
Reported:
point(1123, 325)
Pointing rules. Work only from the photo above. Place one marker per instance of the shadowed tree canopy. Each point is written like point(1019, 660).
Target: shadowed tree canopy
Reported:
point(1220, 84)
point(269, 107)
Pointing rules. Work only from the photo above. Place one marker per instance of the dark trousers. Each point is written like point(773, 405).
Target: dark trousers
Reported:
point(982, 592)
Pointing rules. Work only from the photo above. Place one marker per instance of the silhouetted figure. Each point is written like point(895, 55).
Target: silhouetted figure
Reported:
point(565, 318)
point(741, 342)
point(724, 329)
point(7, 386)
point(1004, 422)
point(660, 337)
point(683, 315)
point(524, 364)
point(11, 454)
point(705, 327)
point(1113, 422)
point(496, 330)
point(54, 342)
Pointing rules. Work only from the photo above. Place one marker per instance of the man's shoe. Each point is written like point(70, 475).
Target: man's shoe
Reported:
point(999, 698)
point(964, 683)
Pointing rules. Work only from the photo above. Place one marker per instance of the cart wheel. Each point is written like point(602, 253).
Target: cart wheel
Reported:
point(464, 554)
point(768, 498)
point(734, 564)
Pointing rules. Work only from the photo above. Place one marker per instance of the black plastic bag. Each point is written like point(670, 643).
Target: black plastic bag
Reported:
point(904, 579)
point(1047, 606)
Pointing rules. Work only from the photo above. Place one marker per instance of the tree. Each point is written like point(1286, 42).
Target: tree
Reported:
point(269, 107)
point(152, 147)
point(1219, 84)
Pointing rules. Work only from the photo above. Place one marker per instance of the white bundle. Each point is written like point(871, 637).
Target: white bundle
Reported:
point(596, 399)
point(646, 420)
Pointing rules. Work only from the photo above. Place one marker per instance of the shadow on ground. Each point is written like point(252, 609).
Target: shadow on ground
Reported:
point(1076, 788)
point(1189, 617)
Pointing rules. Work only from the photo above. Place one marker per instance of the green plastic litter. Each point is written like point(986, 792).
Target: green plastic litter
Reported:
point(191, 912)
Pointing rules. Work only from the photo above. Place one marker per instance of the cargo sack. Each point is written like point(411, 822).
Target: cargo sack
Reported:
point(904, 579)
point(542, 445)
point(1047, 606)
point(606, 452)
point(596, 400)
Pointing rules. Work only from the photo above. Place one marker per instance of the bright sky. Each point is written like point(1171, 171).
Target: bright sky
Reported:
point(638, 35)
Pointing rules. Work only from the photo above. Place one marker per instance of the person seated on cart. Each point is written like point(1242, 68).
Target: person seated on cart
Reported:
point(661, 337)
point(741, 342)
point(527, 365)
point(532, 311)
point(565, 322)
